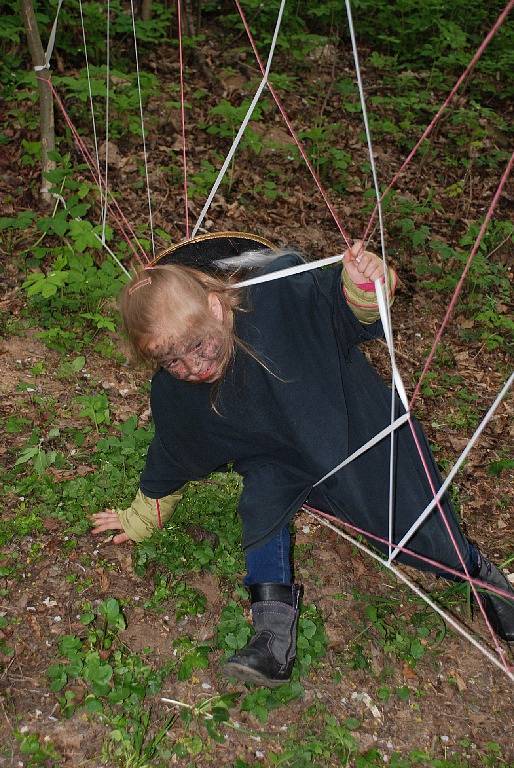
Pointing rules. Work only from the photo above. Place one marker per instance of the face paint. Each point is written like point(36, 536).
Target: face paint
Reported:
point(199, 361)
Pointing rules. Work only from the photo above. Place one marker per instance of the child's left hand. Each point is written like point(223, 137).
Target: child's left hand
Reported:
point(362, 266)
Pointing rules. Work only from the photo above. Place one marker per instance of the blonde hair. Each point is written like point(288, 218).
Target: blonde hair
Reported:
point(172, 301)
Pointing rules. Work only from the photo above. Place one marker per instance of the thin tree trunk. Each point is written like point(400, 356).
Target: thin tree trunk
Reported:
point(146, 10)
point(46, 103)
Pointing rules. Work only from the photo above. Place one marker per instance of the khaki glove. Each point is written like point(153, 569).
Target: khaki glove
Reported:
point(141, 519)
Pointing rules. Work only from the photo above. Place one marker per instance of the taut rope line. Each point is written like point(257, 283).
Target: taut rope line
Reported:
point(243, 125)
point(428, 130)
point(292, 131)
point(459, 286)
point(386, 306)
point(90, 91)
point(182, 114)
point(114, 208)
point(323, 518)
point(145, 154)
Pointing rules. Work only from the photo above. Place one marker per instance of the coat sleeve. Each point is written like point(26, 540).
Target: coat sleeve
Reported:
point(162, 475)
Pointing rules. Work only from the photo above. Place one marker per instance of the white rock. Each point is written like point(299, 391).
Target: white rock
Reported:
point(365, 698)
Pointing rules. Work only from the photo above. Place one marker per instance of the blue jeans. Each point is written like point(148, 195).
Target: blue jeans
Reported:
point(271, 562)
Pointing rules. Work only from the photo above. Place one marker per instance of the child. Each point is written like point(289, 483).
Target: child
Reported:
point(270, 379)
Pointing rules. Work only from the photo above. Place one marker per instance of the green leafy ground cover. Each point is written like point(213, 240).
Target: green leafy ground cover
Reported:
point(91, 636)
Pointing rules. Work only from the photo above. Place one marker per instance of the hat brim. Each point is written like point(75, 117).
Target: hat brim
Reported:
point(202, 251)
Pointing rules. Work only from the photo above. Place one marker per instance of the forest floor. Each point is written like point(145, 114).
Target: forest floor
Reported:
point(92, 635)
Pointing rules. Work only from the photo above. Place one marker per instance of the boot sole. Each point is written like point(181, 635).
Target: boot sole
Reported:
point(248, 675)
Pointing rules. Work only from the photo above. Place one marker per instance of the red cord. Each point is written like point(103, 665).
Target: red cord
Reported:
point(428, 130)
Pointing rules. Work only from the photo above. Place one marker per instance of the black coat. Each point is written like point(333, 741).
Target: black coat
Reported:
point(285, 421)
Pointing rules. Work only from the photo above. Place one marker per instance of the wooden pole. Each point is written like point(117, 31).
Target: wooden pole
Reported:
point(46, 103)
point(146, 10)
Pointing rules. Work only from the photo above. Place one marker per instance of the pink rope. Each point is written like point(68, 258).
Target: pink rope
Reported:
point(428, 130)
point(458, 287)
point(182, 114)
point(116, 212)
point(422, 558)
point(296, 140)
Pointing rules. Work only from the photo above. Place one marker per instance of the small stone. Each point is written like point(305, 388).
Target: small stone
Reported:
point(57, 618)
point(24, 729)
point(206, 686)
point(446, 739)
point(306, 528)
point(259, 755)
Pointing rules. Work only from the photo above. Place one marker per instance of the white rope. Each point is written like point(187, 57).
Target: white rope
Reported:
point(374, 440)
point(428, 509)
point(93, 121)
point(245, 122)
point(385, 317)
point(390, 342)
point(457, 626)
point(51, 42)
point(107, 83)
point(145, 154)
point(288, 271)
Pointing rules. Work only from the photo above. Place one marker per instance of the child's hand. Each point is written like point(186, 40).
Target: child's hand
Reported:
point(108, 520)
point(362, 266)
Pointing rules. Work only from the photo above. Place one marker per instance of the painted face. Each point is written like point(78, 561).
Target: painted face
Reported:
point(199, 360)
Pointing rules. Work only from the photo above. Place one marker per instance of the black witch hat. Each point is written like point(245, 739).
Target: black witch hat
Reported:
point(214, 252)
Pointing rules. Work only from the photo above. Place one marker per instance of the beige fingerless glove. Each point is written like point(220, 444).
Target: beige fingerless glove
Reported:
point(141, 519)
point(363, 303)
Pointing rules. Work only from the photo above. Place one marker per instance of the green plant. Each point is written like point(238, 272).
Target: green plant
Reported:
point(40, 458)
point(37, 753)
point(329, 161)
point(95, 408)
point(406, 634)
point(191, 657)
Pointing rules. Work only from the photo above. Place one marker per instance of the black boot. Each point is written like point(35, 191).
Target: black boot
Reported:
point(269, 656)
point(499, 609)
